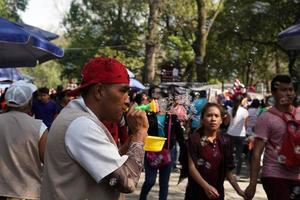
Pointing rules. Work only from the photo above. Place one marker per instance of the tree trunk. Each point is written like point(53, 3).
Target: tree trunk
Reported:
point(199, 45)
point(277, 65)
point(292, 67)
point(294, 72)
point(201, 34)
point(248, 72)
point(152, 40)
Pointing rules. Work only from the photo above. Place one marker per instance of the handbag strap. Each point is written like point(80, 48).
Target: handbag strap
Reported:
point(169, 130)
point(284, 118)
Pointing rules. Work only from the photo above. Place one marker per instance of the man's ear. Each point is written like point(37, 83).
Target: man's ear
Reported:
point(99, 90)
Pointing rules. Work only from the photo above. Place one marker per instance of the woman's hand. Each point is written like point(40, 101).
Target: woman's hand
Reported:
point(241, 193)
point(211, 192)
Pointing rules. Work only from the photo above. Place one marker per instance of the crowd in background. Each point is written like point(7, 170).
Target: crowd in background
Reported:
point(185, 105)
point(224, 128)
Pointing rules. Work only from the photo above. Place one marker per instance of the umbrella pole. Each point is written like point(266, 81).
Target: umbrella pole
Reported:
point(295, 74)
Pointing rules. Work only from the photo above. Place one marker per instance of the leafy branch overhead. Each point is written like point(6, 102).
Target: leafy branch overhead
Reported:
point(209, 40)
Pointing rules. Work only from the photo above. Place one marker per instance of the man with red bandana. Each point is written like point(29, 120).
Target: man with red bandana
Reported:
point(82, 160)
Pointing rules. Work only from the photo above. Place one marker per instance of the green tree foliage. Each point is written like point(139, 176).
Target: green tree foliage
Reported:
point(178, 24)
point(9, 8)
point(45, 75)
point(245, 39)
point(242, 39)
point(104, 27)
point(188, 23)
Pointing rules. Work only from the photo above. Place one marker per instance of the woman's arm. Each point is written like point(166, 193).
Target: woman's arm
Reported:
point(232, 180)
point(246, 122)
point(210, 191)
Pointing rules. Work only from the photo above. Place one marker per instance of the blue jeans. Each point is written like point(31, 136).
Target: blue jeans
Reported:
point(150, 178)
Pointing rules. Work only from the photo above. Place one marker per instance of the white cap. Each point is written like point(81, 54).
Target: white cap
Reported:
point(19, 93)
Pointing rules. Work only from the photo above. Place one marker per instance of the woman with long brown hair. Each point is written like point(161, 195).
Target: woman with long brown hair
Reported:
point(210, 158)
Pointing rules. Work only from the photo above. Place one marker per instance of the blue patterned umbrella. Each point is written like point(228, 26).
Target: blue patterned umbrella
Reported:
point(133, 83)
point(289, 39)
point(23, 45)
point(12, 74)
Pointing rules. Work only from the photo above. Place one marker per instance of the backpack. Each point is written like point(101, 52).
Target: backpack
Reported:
point(289, 152)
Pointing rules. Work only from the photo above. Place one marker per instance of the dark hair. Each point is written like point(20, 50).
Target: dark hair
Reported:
point(202, 94)
point(262, 103)
point(205, 110)
point(255, 103)
point(138, 98)
point(84, 91)
point(152, 89)
point(280, 79)
point(236, 103)
point(59, 89)
point(60, 96)
point(44, 90)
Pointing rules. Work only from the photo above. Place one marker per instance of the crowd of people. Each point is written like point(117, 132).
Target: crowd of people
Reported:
point(87, 143)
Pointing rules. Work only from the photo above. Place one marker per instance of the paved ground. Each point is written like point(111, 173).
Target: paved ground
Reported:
point(176, 192)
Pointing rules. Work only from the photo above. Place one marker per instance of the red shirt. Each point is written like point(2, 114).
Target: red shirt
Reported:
point(119, 133)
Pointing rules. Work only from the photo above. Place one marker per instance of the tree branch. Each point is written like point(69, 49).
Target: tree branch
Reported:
point(185, 35)
point(214, 16)
point(267, 43)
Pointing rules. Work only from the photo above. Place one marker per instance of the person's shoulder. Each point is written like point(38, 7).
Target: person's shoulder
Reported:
point(173, 116)
point(252, 111)
point(265, 117)
point(82, 124)
point(224, 138)
point(242, 108)
point(195, 136)
point(52, 103)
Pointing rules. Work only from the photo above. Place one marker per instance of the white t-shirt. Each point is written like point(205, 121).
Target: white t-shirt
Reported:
point(88, 144)
point(237, 124)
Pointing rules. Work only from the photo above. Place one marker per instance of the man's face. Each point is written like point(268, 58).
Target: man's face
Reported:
point(45, 97)
point(156, 93)
point(114, 99)
point(285, 94)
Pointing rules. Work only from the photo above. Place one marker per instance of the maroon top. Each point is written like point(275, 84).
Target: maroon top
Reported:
point(212, 160)
point(208, 161)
